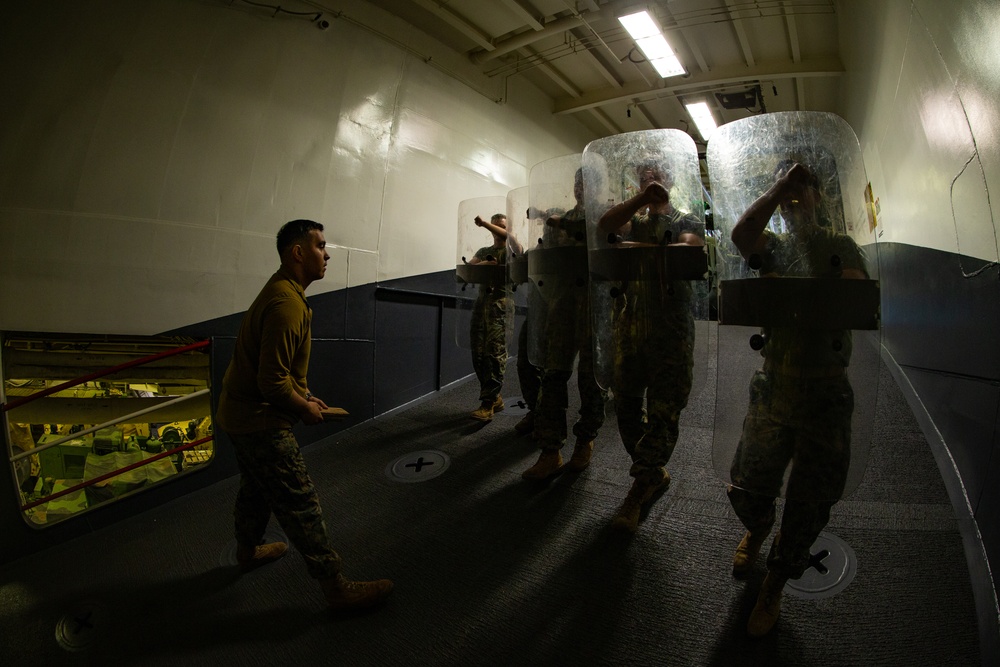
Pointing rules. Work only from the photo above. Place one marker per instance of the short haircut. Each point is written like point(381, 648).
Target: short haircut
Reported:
point(294, 231)
point(497, 217)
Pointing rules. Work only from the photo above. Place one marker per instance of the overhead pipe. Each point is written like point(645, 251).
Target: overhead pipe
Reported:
point(564, 24)
point(514, 43)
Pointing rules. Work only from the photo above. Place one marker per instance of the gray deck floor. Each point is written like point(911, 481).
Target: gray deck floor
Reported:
point(491, 570)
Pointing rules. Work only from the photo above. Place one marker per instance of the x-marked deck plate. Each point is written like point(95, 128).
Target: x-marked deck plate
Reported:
point(418, 466)
point(832, 568)
point(81, 627)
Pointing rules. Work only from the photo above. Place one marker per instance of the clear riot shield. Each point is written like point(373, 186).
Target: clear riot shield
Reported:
point(518, 230)
point(557, 263)
point(481, 272)
point(517, 259)
point(798, 352)
point(647, 256)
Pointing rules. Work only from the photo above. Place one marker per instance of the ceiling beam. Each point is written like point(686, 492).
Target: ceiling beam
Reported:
point(641, 108)
point(563, 82)
point(525, 12)
point(605, 120)
point(717, 77)
point(560, 25)
point(594, 59)
point(557, 77)
point(514, 43)
point(457, 22)
point(741, 33)
point(793, 33)
point(689, 42)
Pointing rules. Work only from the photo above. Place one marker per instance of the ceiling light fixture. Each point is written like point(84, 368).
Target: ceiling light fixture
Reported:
point(649, 38)
point(702, 117)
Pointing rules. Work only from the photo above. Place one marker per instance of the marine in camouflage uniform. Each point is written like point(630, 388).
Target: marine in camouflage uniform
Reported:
point(488, 329)
point(568, 334)
point(653, 339)
point(654, 352)
point(800, 410)
point(801, 401)
point(264, 394)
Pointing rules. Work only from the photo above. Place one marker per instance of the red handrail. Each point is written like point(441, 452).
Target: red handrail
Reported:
point(10, 405)
point(114, 473)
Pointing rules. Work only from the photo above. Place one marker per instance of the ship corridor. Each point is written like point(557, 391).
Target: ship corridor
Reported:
point(492, 570)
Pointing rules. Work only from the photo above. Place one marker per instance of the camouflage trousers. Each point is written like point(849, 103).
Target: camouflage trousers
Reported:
point(273, 478)
point(550, 424)
point(488, 339)
point(529, 377)
point(650, 432)
point(805, 424)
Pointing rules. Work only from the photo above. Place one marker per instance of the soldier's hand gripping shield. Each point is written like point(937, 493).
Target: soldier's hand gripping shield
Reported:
point(557, 263)
point(798, 351)
point(646, 253)
point(481, 273)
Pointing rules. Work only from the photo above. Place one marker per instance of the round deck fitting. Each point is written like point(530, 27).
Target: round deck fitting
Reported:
point(418, 466)
point(832, 566)
point(81, 627)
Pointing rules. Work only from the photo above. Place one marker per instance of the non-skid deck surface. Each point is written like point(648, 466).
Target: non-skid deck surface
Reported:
point(492, 570)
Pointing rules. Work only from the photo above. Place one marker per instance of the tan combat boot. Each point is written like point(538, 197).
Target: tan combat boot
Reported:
point(252, 558)
point(765, 612)
point(582, 452)
point(748, 550)
point(642, 495)
point(627, 519)
point(526, 425)
point(484, 412)
point(549, 463)
point(342, 594)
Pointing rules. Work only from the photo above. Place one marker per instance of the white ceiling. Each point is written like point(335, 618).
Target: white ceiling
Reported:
point(578, 54)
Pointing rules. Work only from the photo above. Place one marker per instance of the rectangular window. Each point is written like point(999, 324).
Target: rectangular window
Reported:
point(91, 419)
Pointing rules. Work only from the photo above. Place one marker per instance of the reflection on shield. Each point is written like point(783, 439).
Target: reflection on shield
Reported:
point(649, 295)
point(799, 346)
point(517, 260)
point(557, 264)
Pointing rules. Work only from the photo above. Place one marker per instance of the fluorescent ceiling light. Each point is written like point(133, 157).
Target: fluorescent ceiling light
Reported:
point(650, 40)
point(702, 117)
point(655, 47)
point(640, 24)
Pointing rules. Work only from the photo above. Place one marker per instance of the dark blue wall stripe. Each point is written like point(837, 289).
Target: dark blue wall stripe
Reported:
point(940, 320)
